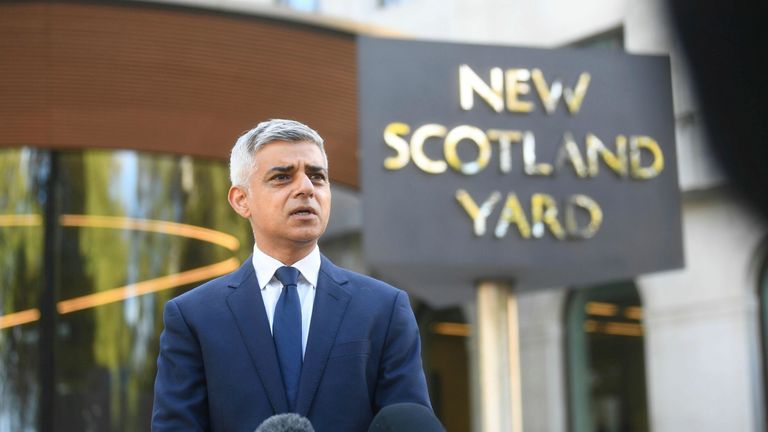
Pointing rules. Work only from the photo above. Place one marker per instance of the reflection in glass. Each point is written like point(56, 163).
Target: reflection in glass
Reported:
point(115, 244)
point(21, 255)
point(133, 231)
point(606, 360)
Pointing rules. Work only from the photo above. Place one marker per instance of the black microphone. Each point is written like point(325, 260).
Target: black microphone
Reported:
point(405, 417)
point(289, 422)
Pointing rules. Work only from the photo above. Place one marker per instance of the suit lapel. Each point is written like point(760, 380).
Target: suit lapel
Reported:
point(331, 301)
point(247, 306)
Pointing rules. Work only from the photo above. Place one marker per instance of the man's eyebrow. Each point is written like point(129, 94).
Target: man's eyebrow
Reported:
point(316, 169)
point(281, 169)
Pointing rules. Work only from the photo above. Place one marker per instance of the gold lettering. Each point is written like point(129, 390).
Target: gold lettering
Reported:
point(595, 216)
point(570, 151)
point(516, 86)
point(512, 213)
point(417, 148)
point(529, 157)
point(574, 98)
point(392, 137)
point(615, 161)
point(544, 212)
point(505, 139)
point(548, 95)
point(638, 143)
point(475, 135)
point(479, 215)
point(470, 83)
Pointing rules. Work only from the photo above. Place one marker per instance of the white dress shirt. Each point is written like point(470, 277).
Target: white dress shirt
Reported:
point(309, 267)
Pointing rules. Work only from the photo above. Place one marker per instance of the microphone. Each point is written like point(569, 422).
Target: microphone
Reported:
point(288, 422)
point(405, 417)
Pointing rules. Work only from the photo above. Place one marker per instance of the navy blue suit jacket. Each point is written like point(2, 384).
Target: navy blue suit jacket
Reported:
point(218, 369)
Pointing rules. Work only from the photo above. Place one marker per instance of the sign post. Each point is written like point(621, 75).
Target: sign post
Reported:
point(498, 357)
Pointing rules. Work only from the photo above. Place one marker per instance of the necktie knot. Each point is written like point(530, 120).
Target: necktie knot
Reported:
point(288, 276)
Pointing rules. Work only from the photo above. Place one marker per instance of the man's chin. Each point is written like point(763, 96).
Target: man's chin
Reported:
point(308, 237)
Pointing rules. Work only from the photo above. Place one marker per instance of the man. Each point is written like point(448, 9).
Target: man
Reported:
point(289, 331)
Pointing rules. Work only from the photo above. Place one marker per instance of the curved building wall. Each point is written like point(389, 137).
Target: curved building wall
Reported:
point(169, 79)
point(116, 121)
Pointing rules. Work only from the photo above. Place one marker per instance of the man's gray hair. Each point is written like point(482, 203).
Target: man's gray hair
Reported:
point(243, 152)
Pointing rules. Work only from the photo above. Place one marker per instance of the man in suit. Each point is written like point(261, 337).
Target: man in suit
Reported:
point(289, 331)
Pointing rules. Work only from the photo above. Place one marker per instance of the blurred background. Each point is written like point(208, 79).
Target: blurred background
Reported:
point(116, 119)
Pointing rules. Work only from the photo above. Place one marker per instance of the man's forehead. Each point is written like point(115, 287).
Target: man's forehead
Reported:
point(286, 153)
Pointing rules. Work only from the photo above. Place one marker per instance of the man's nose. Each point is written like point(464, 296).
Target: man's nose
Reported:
point(305, 187)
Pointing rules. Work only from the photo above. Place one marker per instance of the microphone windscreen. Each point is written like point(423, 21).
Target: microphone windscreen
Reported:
point(405, 417)
point(289, 422)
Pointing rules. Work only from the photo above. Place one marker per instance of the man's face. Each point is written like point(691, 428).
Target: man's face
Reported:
point(288, 200)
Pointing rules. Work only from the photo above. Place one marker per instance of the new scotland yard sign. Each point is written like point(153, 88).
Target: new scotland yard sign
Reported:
point(545, 167)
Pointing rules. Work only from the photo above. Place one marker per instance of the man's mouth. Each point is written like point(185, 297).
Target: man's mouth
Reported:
point(303, 211)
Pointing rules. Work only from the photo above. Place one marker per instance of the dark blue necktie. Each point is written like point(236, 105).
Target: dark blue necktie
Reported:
point(286, 330)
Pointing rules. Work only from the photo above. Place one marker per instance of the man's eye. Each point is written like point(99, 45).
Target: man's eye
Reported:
point(280, 177)
point(318, 177)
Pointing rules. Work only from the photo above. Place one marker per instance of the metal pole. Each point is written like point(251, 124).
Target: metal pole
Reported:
point(515, 375)
point(48, 315)
point(498, 358)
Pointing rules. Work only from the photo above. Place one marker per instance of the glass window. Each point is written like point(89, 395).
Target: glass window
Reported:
point(136, 230)
point(130, 231)
point(444, 337)
point(21, 283)
point(606, 360)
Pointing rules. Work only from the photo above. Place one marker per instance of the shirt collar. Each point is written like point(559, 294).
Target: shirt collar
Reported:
point(266, 266)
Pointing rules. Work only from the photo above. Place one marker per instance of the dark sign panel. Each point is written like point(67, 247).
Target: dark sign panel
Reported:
point(544, 167)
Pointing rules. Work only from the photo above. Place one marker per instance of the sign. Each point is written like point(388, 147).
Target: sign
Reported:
point(544, 167)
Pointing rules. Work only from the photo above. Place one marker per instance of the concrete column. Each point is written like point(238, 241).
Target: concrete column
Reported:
point(496, 360)
point(542, 343)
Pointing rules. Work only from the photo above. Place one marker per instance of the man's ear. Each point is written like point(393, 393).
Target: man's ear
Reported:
point(238, 199)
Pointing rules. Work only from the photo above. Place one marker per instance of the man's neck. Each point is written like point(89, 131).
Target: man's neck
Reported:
point(288, 254)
